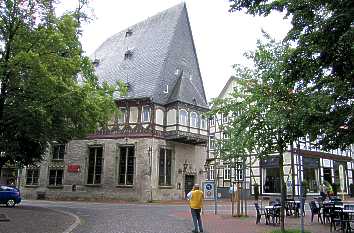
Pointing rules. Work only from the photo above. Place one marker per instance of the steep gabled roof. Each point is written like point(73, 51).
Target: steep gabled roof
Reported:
point(149, 57)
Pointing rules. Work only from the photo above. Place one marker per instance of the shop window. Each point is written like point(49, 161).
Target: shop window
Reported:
point(271, 183)
point(311, 174)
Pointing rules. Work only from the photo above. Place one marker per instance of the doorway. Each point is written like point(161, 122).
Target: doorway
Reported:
point(188, 184)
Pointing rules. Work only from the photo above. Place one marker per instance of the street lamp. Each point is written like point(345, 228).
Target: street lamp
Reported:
point(150, 170)
point(185, 166)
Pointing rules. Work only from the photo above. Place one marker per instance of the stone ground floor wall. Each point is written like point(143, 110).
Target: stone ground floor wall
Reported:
point(145, 178)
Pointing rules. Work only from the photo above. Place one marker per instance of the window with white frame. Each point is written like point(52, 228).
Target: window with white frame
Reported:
point(203, 123)
point(145, 115)
point(227, 172)
point(32, 176)
point(58, 151)
point(56, 177)
point(225, 118)
point(95, 164)
point(165, 167)
point(212, 121)
point(211, 172)
point(212, 142)
point(226, 135)
point(238, 171)
point(126, 165)
point(194, 120)
point(183, 117)
point(122, 115)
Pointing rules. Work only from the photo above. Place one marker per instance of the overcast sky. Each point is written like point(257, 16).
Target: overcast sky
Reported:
point(220, 37)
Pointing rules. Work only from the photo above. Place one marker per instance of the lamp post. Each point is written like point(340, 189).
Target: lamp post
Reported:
point(185, 166)
point(150, 170)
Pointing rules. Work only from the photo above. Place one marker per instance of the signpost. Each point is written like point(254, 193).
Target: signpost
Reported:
point(208, 189)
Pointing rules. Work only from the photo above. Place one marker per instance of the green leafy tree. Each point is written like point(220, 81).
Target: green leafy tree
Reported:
point(321, 64)
point(264, 122)
point(49, 91)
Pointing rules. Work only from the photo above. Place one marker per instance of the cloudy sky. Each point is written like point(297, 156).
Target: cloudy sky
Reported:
point(220, 37)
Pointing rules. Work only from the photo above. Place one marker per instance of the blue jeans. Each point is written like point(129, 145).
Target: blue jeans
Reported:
point(197, 220)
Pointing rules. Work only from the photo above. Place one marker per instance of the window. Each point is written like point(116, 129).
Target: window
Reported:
point(95, 162)
point(212, 121)
point(212, 142)
point(32, 176)
point(145, 115)
point(211, 172)
point(165, 167)
point(129, 32)
point(56, 177)
point(122, 115)
point(225, 118)
point(126, 166)
point(226, 135)
point(238, 175)
point(194, 120)
point(339, 169)
point(311, 173)
point(128, 54)
point(272, 180)
point(227, 172)
point(58, 151)
point(183, 117)
point(203, 123)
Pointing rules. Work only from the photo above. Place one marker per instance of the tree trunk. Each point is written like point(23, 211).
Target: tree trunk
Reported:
point(282, 190)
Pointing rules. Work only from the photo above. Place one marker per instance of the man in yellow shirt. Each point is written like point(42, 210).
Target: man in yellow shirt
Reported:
point(195, 198)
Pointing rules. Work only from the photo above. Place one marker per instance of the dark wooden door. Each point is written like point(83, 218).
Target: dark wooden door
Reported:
point(188, 183)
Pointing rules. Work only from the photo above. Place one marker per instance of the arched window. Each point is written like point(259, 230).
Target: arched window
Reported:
point(183, 117)
point(194, 120)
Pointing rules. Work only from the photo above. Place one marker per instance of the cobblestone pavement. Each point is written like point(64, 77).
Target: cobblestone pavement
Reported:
point(33, 219)
point(144, 218)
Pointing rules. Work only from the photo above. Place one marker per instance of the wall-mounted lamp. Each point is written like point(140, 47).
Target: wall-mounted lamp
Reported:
point(185, 166)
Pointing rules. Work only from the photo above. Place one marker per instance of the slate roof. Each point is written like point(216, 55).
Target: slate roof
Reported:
point(156, 57)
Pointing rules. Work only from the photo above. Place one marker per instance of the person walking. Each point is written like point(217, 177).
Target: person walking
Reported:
point(195, 198)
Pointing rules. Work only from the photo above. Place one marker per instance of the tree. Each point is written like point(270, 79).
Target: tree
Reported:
point(322, 63)
point(48, 88)
point(263, 105)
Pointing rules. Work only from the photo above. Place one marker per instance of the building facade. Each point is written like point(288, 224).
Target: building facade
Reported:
point(315, 165)
point(156, 147)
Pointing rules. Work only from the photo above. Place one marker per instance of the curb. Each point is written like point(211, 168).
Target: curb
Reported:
point(72, 226)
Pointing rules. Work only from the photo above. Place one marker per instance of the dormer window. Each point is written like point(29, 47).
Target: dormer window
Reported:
point(194, 120)
point(128, 54)
point(145, 116)
point(129, 32)
point(96, 62)
point(183, 117)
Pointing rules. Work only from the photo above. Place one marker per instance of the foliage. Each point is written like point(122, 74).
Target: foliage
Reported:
point(263, 121)
point(321, 64)
point(49, 91)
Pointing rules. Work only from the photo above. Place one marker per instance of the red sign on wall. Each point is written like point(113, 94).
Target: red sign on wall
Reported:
point(73, 168)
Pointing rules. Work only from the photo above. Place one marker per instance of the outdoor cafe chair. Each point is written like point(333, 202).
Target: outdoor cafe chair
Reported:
point(260, 212)
point(336, 214)
point(315, 210)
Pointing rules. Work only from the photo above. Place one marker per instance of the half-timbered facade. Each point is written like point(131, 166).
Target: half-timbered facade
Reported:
point(315, 165)
point(156, 147)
